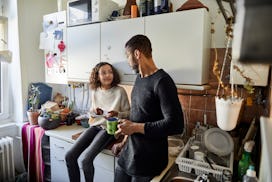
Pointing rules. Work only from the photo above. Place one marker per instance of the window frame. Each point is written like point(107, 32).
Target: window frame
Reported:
point(5, 109)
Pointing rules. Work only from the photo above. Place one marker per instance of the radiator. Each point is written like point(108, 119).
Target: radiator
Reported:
point(7, 169)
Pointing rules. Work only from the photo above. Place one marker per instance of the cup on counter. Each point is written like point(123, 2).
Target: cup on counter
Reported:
point(112, 125)
point(192, 150)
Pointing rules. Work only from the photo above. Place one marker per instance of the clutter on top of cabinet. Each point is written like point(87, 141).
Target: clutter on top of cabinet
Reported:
point(84, 12)
point(192, 4)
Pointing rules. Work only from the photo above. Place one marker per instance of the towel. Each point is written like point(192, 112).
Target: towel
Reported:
point(32, 151)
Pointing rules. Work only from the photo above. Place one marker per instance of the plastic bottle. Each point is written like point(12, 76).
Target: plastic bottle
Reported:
point(245, 160)
point(157, 6)
point(250, 175)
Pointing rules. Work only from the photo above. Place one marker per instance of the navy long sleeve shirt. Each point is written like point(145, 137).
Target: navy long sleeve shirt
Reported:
point(154, 101)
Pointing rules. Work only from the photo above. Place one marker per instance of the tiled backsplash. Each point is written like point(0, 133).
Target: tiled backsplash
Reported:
point(197, 104)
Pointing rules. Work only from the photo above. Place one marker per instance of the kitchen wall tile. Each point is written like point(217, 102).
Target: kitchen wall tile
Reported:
point(198, 102)
point(210, 103)
point(211, 118)
point(184, 101)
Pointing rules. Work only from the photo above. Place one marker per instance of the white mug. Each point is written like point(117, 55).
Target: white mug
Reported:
point(199, 156)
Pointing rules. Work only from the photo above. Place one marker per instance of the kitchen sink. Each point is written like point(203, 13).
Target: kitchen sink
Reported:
point(180, 179)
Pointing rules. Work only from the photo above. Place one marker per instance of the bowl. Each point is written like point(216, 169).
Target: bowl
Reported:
point(47, 123)
point(175, 146)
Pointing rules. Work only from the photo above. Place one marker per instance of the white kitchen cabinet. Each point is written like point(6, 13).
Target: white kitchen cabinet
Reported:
point(104, 168)
point(83, 51)
point(58, 149)
point(104, 164)
point(181, 44)
point(114, 35)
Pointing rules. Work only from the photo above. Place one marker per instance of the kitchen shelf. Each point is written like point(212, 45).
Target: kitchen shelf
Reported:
point(194, 87)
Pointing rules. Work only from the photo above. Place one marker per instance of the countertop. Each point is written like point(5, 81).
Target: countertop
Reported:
point(65, 133)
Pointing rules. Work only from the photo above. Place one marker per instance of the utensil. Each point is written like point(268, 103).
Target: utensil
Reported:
point(209, 162)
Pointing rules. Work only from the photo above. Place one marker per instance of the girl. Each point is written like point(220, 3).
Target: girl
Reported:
point(108, 99)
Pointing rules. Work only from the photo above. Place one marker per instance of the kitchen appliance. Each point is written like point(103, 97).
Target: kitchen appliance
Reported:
point(53, 41)
point(89, 11)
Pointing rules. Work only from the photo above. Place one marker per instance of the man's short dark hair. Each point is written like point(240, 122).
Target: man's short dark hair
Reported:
point(140, 42)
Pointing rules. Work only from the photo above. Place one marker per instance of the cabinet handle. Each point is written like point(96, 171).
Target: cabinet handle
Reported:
point(60, 147)
point(129, 74)
point(62, 160)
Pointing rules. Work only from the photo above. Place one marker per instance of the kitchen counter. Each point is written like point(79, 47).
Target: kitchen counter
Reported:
point(171, 161)
point(65, 133)
point(175, 172)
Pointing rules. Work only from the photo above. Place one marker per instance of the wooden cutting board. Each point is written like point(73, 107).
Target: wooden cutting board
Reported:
point(75, 136)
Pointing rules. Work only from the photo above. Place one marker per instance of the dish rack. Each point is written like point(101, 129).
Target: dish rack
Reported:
point(186, 165)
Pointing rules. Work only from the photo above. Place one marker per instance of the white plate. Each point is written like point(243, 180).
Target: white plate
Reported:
point(218, 141)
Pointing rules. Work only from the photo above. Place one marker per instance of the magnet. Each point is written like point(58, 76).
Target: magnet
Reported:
point(61, 46)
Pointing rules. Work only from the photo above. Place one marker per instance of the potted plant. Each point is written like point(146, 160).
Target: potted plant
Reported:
point(33, 101)
point(227, 102)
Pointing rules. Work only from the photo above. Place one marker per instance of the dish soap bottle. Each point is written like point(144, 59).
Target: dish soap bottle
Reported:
point(245, 161)
point(250, 175)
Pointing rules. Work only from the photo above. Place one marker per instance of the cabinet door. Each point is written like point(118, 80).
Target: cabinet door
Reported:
point(104, 168)
point(83, 51)
point(180, 43)
point(57, 157)
point(114, 35)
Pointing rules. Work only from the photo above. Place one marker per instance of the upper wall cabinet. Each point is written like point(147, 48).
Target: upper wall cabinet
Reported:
point(181, 44)
point(114, 35)
point(180, 41)
point(83, 51)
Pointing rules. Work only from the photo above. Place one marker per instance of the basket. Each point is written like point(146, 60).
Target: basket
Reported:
point(186, 165)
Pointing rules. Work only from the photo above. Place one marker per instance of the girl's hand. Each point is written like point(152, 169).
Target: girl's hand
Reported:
point(99, 111)
point(112, 114)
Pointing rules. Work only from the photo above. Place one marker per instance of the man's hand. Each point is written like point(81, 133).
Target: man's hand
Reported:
point(127, 127)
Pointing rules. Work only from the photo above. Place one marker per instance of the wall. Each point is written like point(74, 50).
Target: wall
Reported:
point(27, 63)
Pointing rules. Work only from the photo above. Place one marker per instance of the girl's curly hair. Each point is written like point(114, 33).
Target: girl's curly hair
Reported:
point(94, 80)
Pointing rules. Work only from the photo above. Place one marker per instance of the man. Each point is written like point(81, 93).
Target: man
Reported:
point(155, 114)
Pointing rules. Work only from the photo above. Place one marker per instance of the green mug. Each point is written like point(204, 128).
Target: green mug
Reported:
point(112, 125)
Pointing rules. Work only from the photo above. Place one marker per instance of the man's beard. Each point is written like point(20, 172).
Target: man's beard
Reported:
point(135, 66)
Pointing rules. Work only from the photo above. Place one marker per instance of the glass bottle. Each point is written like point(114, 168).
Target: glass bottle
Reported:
point(142, 8)
point(245, 161)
